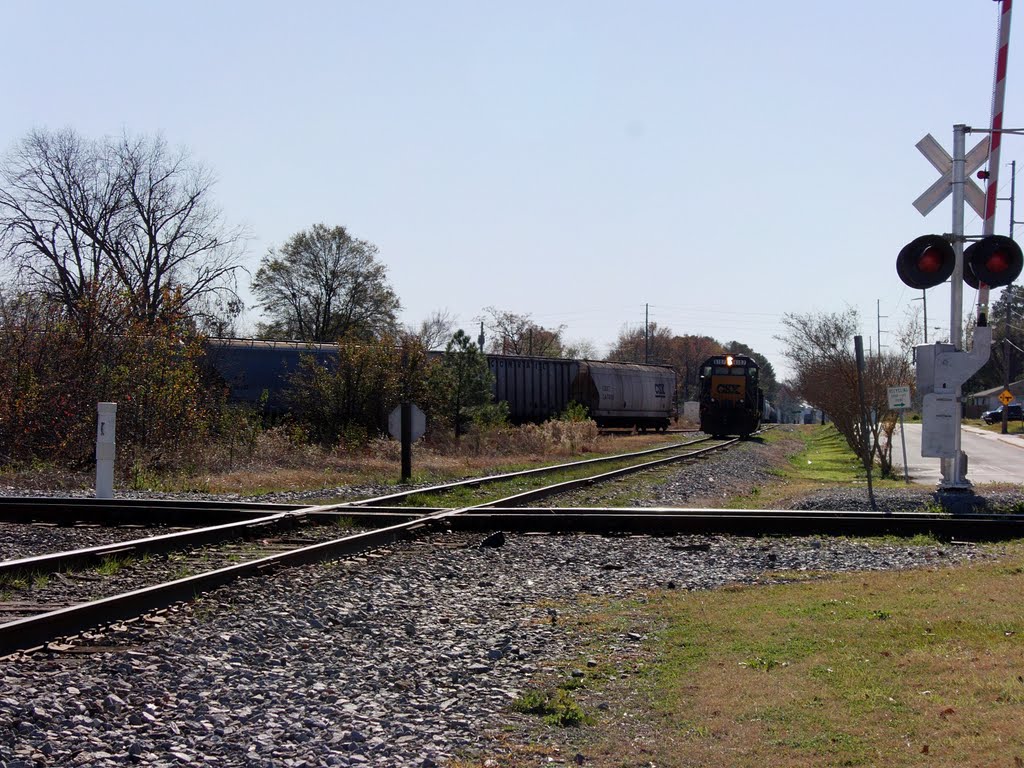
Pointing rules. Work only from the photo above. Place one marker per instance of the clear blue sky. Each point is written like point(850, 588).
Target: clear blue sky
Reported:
point(724, 163)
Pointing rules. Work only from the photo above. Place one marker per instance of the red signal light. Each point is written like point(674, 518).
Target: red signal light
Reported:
point(926, 261)
point(998, 262)
point(930, 260)
point(994, 260)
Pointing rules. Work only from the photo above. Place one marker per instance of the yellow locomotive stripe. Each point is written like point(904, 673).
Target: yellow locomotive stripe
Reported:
point(727, 387)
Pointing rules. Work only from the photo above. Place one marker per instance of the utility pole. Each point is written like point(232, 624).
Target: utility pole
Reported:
point(924, 304)
point(878, 321)
point(1006, 322)
point(1013, 184)
point(647, 333)
point(1006, 362)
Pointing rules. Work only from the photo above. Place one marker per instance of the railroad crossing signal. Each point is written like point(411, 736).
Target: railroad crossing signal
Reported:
point(929, 260)
point(926, 261)
point(994, 260)
point(943, 163)
point(1006, 397)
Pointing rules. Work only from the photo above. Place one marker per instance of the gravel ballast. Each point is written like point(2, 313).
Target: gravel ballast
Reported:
point(396, 660)
point(407, 657)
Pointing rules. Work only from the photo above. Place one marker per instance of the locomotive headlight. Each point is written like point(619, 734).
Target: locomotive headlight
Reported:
point(728, 360)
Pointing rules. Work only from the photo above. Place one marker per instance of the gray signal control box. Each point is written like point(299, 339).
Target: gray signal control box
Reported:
point(941, 370)
point(925, 357)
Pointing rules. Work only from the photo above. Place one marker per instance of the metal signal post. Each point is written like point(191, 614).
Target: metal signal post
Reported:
point(953, 474)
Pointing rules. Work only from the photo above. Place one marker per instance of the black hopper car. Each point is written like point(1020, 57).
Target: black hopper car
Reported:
point(614, 394)
point(731, 402)
point(535, 388)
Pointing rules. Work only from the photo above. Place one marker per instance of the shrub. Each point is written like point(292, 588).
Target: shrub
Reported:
point(56, 371)
point(574, 412)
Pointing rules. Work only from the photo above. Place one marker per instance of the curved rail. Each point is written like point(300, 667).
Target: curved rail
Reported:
point(392, 498)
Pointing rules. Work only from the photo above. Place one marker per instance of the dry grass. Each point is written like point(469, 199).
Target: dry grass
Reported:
point(276, 460)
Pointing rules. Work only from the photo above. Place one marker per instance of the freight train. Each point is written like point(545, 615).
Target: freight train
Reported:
point(535, 388)
point(731, 402)
point(614, 394)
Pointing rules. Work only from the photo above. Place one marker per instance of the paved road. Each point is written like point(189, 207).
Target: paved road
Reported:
point(992, 457)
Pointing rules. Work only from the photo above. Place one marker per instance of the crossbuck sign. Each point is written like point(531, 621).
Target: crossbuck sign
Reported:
point(943, 163)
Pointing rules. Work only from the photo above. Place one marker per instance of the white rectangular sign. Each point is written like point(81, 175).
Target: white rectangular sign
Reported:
point(899, 397)
point(939, 424)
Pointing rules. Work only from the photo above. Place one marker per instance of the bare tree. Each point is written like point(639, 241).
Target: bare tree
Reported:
point(323, 285)
point(172, 249)
point(515, 334)
point(436, 331)
point(58, 191)
point(584, 349)
point(820, 349)
point(78, 217)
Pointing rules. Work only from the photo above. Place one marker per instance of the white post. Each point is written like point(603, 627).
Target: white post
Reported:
point(105, 450)
point(903, 440)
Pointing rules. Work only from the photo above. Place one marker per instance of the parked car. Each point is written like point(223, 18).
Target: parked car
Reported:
point(1015, 413)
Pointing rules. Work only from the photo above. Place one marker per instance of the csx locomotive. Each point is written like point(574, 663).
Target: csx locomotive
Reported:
point(731, 401)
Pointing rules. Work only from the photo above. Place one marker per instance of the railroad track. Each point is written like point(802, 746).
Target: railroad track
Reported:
point(251, 521)
point(391, 518)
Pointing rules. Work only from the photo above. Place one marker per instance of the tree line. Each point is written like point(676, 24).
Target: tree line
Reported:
point(116, 262)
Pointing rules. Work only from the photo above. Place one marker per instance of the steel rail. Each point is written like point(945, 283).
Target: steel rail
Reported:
point(69, 510)
point(34, 632)
point(66, 510)
point(665, 520)
point(674, 520)
point(571, 485)
point(478, 481)
point(92, 556)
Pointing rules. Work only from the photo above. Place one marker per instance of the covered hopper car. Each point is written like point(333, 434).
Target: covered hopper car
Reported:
point(614, 394)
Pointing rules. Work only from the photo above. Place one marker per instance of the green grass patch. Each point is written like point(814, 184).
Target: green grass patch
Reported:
point(1013, 427)
point(864, 669)
point(113, 565)
point(826, 459)
point(15, 582)
point(554, 706)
